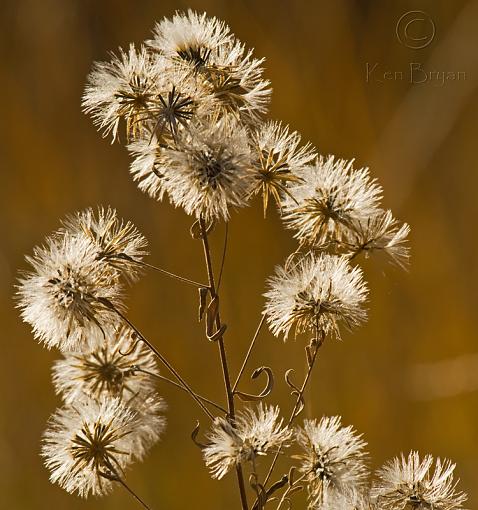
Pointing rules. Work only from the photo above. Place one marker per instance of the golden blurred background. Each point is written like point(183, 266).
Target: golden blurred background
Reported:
point(408, 378)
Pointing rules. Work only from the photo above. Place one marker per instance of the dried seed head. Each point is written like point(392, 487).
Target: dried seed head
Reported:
point(254, 433)
point(410, 483)
point(209, 171)
point(316, 295)
point(123, 89)
point(278, 160)
point(381, 232)
point(119, 244)
point(189, 38)
point(330, 197)
point(67, 297)
point(88, 441)
point(334, 459)
point(235, 80)
point(112, 369)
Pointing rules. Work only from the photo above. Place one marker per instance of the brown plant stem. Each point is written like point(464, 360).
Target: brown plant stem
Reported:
point(163, 360)
point(222, 354)
point(297, 405)
point(135, 496)
point(173, 383)
point(248, 354)
point(168, 273)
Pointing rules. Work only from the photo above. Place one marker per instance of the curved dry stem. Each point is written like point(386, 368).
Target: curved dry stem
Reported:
point(163, 360)
point(173, 383)
point(293, 415)
point(222, 352)
point(170, 274)
point(248, 354)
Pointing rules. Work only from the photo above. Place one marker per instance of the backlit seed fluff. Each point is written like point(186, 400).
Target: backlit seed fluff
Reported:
point(412, 483)
point(189, 38)
point(381, 233)
point(86, 441)
point(317, 294)
point(351, 500)
point(255, 433)
point(149, 167)
point(210, 171)
point(112, 369)
point(235, 80)
point(122, 90)
point(118, 243)
point(278, 159)
point(70, 296)
point(328, 199)
point(334, 459)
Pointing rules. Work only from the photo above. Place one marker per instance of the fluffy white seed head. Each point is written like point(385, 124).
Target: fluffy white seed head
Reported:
point(123, 89)
point(381, 233)
point(278, 160)
point(255, 432)
point(210, 171)
point(235, 80)
point(119, 367)
point(68, 296)
point(149, 166)
point(85, 442)
point(333, 459)
point(117, 242)
point(189, 38)
point(351, 500)
point(330, 197)
point(410, 482)
point(316, 295)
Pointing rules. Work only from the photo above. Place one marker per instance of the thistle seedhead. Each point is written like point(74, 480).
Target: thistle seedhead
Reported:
point(119, 367)
point(70, 296)
point(317, 295)
point(254, 433)
point(334, 460)
point(409, 483)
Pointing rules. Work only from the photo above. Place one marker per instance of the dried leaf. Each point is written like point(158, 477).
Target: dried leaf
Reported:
point(203, 291)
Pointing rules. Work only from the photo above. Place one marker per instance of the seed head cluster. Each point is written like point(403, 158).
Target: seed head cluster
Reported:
point(191, 105)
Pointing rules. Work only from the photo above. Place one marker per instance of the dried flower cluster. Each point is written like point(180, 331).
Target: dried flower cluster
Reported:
point(73, 300)
point(192, 102)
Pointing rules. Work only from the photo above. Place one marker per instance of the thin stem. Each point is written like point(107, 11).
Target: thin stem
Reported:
point(172, 275)
point(222, 354)
point(163, 360)
point(223, 258)
point(249, 351)
point(289, 488)
point(135, 496)
point(296, 407)
point(173, 383)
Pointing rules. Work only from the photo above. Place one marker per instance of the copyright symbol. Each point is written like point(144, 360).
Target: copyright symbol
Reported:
point(415, 30)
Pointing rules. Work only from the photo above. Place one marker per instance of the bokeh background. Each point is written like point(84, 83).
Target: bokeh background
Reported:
point(407, 379)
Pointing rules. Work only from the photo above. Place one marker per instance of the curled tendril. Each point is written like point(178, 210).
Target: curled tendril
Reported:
point(211, 314)
point(295, 391)
point(249, 397)
point(196, 230)
point(259, 490)
point(194, 435)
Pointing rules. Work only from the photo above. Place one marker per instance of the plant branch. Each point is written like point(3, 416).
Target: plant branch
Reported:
point(298, 402)
point(168, 273)
point(136, 368)
point(249, 351)
point(135, 496)
point(163, 360)
point(222, 353)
